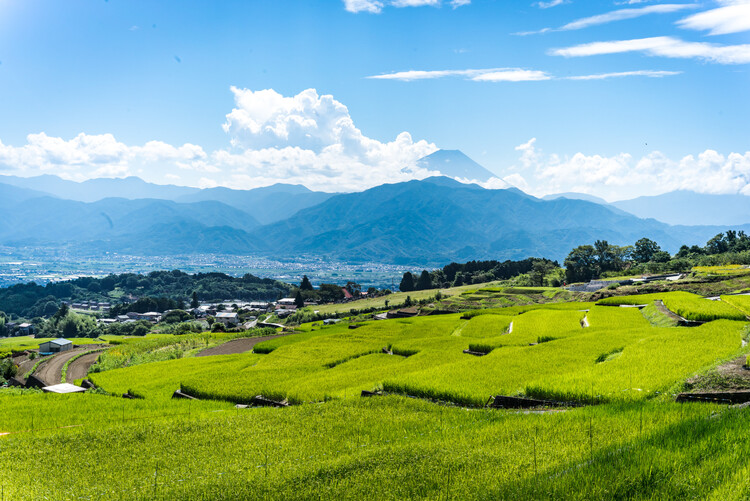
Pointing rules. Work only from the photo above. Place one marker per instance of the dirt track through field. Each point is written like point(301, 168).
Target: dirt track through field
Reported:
point(236, 346)
point(51, 371)
point(79, 367)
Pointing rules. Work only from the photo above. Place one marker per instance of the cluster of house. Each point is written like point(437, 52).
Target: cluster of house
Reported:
point(132, 316)
point(20, 329)
point(89, 305)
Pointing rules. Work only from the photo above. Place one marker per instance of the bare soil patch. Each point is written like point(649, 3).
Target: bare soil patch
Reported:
point(236, 346)
point(79, 368)
point(729, 376)
point(51, 371)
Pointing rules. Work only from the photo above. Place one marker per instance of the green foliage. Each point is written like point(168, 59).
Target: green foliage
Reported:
point(176, 316)
point(305, 285)
point(31, 300)
point(68, 325)
point(407, 282)
point(7, 369)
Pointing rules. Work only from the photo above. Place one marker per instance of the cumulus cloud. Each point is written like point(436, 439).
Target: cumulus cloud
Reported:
point(662, 47)
point(731, 18)
point(376, 6)
point(613, 16)
point(305, 139)
point(87, 156)
point(512, 75)
point(313, 139)
point(623, 176)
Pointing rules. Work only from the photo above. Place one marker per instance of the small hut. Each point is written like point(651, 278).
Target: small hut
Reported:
point(55, 346)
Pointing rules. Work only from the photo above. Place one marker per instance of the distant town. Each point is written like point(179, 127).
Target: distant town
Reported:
point(43, 266)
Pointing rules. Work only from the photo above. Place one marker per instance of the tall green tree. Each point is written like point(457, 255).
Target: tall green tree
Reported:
point(407, 282)
point(645, 249)
point(305, 285)
point(581, 264)
point(424, 282)
point(299, 301)
point(194, 303)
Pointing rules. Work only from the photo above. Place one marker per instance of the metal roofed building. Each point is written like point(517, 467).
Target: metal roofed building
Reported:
point(56, 346)
point(227, 318)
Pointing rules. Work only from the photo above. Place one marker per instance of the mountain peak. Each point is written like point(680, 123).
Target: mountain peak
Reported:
point(455, 164)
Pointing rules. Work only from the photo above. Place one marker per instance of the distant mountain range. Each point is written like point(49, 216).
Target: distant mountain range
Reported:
point(689, 208)
point(428, 222)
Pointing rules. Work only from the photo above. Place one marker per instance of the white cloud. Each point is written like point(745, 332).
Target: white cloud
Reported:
point(87, 156)
point(664, 47)
point(550, 3)
point(408, 76)
point(622, 176)
point(732, 18)
point(617, 15)
point(306, 139)
point(623, 14)
point(371, 6)
point(620, 74)
point(376, 6)
point(511, 75)
point(415, 3)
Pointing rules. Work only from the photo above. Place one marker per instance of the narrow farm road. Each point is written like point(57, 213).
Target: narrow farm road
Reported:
point(79, 368)
point(236, 346)
point(51, 371)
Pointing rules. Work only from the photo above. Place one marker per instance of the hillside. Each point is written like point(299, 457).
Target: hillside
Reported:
point(268, 204)
point(143, 226)
point(438, 221)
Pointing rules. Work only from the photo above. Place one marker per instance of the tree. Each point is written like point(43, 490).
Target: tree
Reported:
point(194, 303)
point(408, 301)
point(305, 285)
point(644, 250)
point(407, 282)
point(354, 288)
point(61, 313)
point(581, 264)
point(299, 302)
point(424, 282)
point(540, 269)
point(717, 245)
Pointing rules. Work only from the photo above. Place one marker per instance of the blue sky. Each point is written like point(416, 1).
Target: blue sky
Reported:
point(168, 91)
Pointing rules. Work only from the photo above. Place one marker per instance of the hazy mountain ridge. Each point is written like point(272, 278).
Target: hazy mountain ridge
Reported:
point(690, 208)
point(432, 221)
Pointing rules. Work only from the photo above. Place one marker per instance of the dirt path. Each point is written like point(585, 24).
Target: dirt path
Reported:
point(236, 346)
point(51, 371)
point(79, 368)
point(666, 311)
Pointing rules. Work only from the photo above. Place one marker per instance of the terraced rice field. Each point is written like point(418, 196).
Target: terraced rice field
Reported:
point(548, 354)
point(636, 443)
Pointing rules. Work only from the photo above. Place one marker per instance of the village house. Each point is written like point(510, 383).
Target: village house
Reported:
point(227, 318)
